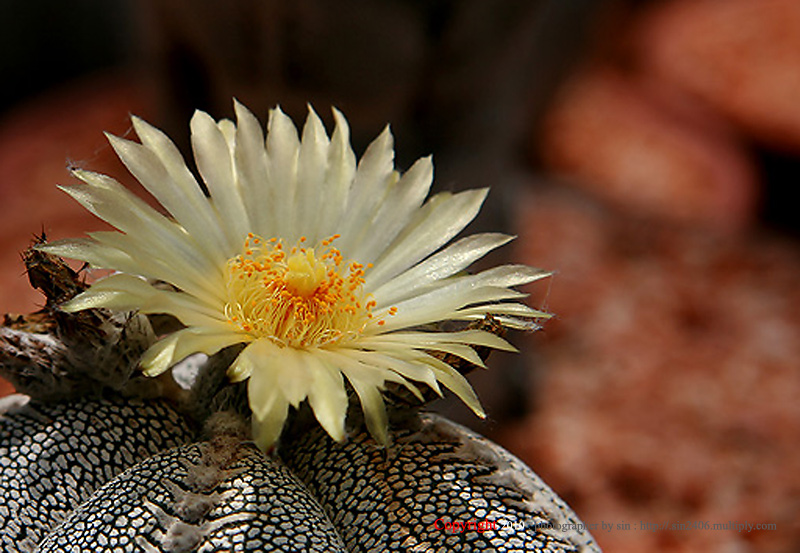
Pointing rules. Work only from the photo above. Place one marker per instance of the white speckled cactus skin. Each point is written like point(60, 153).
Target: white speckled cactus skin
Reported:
point(111, 475)
point(223, 495)
point(436, 472)
point(53, 457)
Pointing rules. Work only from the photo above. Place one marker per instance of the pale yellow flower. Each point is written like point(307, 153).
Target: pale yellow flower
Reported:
point(326, 269)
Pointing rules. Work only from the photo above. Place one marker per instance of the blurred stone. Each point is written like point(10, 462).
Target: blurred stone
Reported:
point(740, 56)
point(671, 386)
point(649, 151)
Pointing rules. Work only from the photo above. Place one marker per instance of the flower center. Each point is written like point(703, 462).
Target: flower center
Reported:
point(302, 297)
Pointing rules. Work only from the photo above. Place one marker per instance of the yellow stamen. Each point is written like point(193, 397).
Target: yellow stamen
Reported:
point(301, 298)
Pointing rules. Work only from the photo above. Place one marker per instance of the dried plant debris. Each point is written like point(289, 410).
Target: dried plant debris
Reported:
point(51, 275)
point(52, 354)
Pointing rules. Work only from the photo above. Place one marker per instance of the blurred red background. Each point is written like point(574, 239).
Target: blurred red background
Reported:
point(645, 151)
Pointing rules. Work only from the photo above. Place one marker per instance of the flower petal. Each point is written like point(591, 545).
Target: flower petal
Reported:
point(267, 428)
point(454, 258)
point(175, 270)
point(294, 376)
point(282, 150)
point(183, 343)
point(341, 170)
point(180, 193)
point(127, 293)
point(456, 383)
point(327, 397)
point(452, 294)
point(505, 308)
point(253, 172)
point(312, 167)
point(108, 200)
point(120, 291)
point(439, 220)
point(270, 407)
point(398, 204)
point(404, 362)
point(429, 340)
point(374, 174)
point(439, 305)
point(216, 167)
point(367, 383)
point(97, 255)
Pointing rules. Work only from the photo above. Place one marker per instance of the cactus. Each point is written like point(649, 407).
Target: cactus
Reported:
point(267, 449)
point(114, 469)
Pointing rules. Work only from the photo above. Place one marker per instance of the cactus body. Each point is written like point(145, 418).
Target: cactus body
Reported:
point(222, 495)
point(52, 457)
point(438, 487)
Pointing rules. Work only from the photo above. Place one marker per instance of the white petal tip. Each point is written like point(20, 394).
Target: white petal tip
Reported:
point(74, 305)
point(152, 371)
point(138, 123)
point(200, 117)
point(266, 432)
point(381, 437)
point(338, 436)
point(341, 121)
point(115, 140)
point(238, 373)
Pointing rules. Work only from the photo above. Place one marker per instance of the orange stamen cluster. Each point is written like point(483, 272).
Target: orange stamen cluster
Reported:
point(298, 297)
